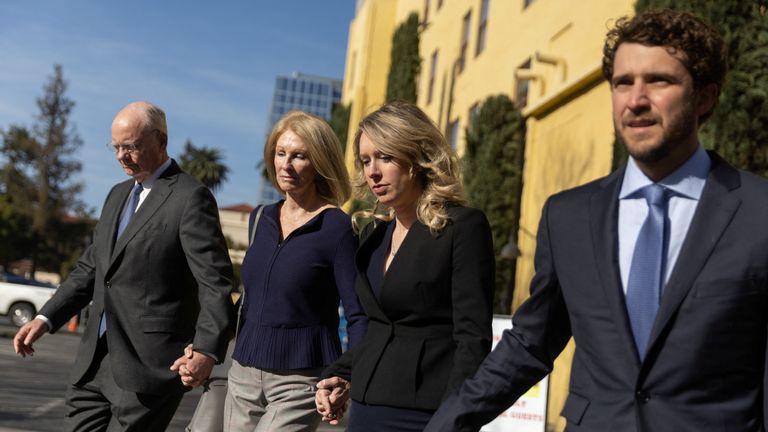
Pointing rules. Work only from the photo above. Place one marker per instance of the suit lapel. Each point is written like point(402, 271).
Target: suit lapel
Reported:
point(713, 214)
point(362, 257)
point(112, 213)
point(161, 190)
point(604, 217)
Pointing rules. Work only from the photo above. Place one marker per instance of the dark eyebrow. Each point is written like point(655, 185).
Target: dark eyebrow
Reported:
point(617, 78)
point(663, 76)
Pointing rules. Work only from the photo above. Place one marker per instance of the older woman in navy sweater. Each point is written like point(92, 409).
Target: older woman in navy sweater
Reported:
point(298, 266)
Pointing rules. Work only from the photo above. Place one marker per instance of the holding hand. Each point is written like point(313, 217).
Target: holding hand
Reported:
point(194, 367)
point(331, 399)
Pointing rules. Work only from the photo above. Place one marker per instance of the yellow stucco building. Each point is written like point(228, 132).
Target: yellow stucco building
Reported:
point(544, 54)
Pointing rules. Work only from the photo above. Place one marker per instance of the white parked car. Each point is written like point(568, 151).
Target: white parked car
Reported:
point(21, 298)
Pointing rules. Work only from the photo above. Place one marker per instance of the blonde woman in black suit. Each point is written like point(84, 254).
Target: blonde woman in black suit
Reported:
point(425, 279)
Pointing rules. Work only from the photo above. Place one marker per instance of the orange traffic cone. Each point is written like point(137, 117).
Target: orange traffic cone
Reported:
point(72, 325)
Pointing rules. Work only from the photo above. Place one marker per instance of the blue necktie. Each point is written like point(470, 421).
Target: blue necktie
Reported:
point(130, 209)
point(646, 274)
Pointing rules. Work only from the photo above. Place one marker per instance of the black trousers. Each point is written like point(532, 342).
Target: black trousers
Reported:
point(96, 403)
point(379, 418)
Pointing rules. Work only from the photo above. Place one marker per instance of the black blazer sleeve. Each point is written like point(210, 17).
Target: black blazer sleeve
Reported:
point(473, 277)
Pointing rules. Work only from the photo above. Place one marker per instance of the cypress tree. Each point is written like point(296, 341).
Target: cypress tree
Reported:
point(339, 122)
point(39, 185)
point(493, 179)
point(404, 61)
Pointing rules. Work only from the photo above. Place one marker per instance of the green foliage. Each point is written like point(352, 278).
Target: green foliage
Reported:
point(340, 123)
point(358, 204)
point(737, 130)
point(64, 249)
point(15, 232)
point(36, 178)
point(493, 179)
point(204, 164)
point(404, 61)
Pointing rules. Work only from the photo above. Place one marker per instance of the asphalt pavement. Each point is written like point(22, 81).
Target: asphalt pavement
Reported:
point(32, 389)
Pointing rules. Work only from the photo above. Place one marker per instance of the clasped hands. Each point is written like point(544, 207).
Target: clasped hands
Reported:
point(331, 399)
point(194, 367)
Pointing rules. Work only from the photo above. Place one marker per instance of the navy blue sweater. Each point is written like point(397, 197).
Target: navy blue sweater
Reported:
point(292, 292)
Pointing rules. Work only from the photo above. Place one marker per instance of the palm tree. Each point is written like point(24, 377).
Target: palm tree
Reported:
point(204, 164)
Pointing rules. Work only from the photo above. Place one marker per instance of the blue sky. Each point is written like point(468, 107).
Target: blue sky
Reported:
point(210, 65)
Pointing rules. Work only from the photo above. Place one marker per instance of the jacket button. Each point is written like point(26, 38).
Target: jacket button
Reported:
point(109, 284)
point(642, 397)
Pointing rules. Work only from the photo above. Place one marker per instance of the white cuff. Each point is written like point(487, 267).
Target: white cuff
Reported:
point(46, 321)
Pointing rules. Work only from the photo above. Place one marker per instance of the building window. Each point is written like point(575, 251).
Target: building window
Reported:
point(521, 87)
point(453, 134)
point(439, 4)
point(426, 11)
point(527, 3)
point(432, 77)
point(482, 27)
point(464, 41)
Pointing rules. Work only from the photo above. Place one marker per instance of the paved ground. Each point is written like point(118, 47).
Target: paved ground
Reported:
point(32, 389)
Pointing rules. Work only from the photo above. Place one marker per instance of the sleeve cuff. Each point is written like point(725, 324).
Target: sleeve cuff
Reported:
point(215, 359)
point(46, 321)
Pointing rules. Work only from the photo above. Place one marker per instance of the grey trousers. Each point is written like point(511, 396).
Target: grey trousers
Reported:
point(266, 400)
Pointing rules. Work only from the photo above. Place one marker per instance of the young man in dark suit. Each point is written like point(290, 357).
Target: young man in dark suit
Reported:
point(159, 276)
point(658, 271)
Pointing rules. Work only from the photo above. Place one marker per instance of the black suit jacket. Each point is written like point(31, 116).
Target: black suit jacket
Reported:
point(431, 326)
point(164, 283)
point(706, 360)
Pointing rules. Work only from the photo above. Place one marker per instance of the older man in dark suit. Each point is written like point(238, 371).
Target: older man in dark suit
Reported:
point(159, 276)
point(658, 271)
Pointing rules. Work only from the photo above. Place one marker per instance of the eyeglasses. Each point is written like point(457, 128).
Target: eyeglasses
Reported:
point(126, 148)
point(132, 147)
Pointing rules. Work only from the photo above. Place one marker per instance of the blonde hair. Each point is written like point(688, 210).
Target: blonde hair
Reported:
point(403, 131)
point(323, 150)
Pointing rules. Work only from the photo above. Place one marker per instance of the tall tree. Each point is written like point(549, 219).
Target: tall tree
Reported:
point(404, 61)
point(205, 164)
point(737, 130)
point(39, 170)
point(493, 179)
point(18, 194)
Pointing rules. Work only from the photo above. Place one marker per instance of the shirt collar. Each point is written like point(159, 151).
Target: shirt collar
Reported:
point(150, 181)
point(688, 180)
